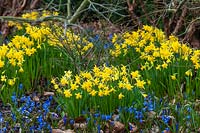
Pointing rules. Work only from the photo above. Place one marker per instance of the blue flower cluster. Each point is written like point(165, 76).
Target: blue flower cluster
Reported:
point(32, 114)
point(149, 104)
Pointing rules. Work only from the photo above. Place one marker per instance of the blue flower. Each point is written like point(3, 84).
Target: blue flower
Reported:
point(49, 127)
point(1, 118)
point(95, 38)
point(40, 119)
point(112, 123)
point(189, 109)
point(88, 119)
point(65, 120)
point(165, 119)
point(130, 110)
point(13, 116)
point(22, 110)
point(96, 115)
point(71, 122)
point(110, 36)
point(98, 128)
point(32, 128)
point(3, 130)
point(107, 45)
point(188, 117)
point(130, 127)
point(23, 98)
point(177, 127)
point(106, 117)
point(14, 99)
point(20, 86)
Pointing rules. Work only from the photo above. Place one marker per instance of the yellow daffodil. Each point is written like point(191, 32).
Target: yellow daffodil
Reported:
point(135, 74)
point(173, 77)
point(67, 93)
point(188, 72)
point(78, 95)
point(93, 92)
point(140, 83)
point(3, 78)
point(164, 65)
point(1, 63)
point(120, 96)
point(11, 82)
point(74, 87)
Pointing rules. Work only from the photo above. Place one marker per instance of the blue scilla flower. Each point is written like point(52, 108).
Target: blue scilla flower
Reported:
point(150, 107)
point(149, 104)
point(98, 128)
point(130, 110)
point(71, 122)
point(166, 130)
point(41, 122)
point(58, 108)
point(88, 119)
point(20, 86)
point(46, 105)
point(96, 115)
point(14, 99)
point(110, 36)
point(145, 103)
point(189, 109)
point(49, 128)
point(188, 117)
point(40, 119)
point(22, 109)
point(32, 128)
point(3, 130)
point(95, 38)
point(23, 98)
point(107, 45)
point(65, 119)
point(130, 127)
point(138, 115)
point(105, 117)
point(165, 119)
point(1, 118)
point(37, 104)
point(177, 127)
point(112, 123)
point(13, 116)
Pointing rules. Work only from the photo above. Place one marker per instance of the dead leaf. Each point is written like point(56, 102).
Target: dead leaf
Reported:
point(36, 98)
point(48, 93)
point(133, 128)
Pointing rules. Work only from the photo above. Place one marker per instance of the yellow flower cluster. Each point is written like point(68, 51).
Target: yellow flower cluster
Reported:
point(153, 48)
point(68, 40)
point(54, 34)
point(26, 45)
point(15, 50)
point(101, 81)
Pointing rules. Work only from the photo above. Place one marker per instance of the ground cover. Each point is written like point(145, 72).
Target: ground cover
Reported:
point(56, 78)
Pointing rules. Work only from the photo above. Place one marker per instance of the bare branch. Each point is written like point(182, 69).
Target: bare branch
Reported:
point(175, 13)
point(131, 8)
point(33, 4)
point(180, 21)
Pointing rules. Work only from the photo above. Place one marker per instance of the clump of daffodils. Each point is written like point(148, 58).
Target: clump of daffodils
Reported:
point(53, 33)
point(35, 36)
point(154, 48)
point(101, 81)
